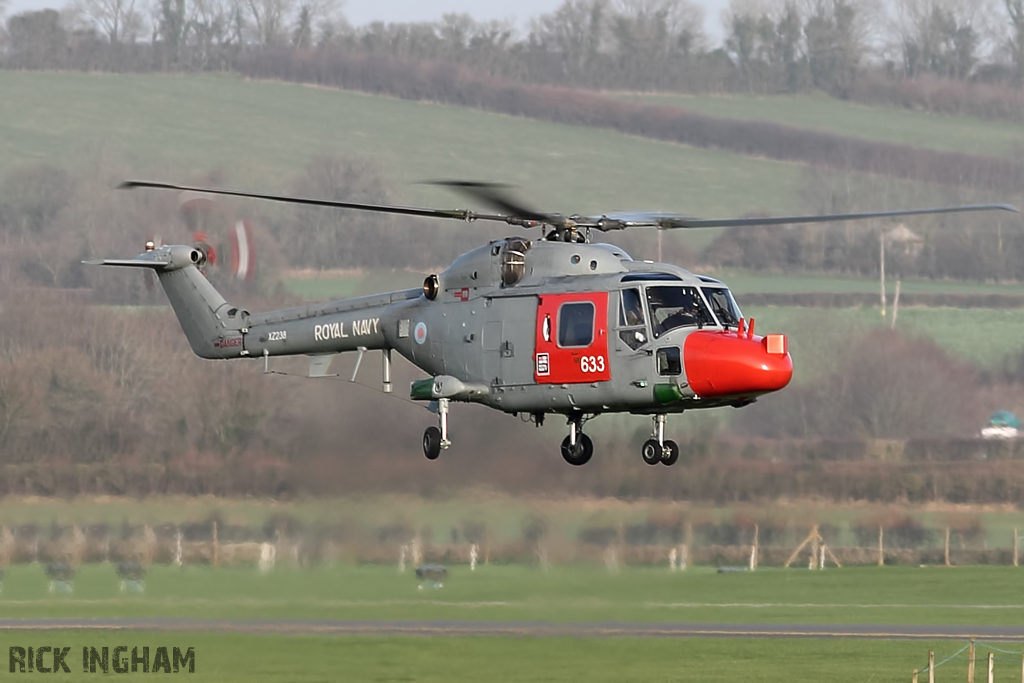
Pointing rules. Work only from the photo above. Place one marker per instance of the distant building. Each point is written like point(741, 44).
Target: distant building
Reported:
point(901, 235)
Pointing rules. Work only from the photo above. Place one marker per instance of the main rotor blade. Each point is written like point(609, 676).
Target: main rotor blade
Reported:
point(457, 214)
point(669, 221)
point(497, 196)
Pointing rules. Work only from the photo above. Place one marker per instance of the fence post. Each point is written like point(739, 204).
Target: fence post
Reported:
point(970, 663)
point(881, 549)
point(754, 549)
point(913, 679)
point(947, 546)
point(991, 657)
point(931, 666)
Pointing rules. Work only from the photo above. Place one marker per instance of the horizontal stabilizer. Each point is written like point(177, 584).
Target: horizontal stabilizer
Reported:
point(128, 263)
point(167, 257)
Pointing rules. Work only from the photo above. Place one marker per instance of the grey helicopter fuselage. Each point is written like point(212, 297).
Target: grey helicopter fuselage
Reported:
point(556, 325)
point(534, 327)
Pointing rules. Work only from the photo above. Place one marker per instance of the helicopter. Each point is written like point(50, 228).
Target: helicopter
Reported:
point(555, 325)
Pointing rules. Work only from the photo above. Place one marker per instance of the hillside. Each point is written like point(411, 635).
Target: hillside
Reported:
point(261, 132)
point(944, 133)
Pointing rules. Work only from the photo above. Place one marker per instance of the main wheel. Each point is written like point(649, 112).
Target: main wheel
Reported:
point(651, 452)
point(579, 454)
point(671, 453)
point(432, 443)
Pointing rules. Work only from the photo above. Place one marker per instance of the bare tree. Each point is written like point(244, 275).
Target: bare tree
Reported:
point(313, 16)
point(269, 18)
point(649, 35)
point(119, 20)
point(942, 36)
point(576, 31)
point(1015, 39)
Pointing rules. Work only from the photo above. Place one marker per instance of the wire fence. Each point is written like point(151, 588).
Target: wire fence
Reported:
point(988, 654)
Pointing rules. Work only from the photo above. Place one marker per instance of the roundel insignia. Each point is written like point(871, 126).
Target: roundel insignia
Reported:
point(420, 333)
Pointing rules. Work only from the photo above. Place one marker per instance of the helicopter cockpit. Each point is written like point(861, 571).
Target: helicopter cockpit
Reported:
point(676, 306)
point(672, 306)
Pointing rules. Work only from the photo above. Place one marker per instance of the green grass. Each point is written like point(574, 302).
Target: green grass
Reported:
point(985, 336)
point(300, 659)
point(884, 124)
point(744, 281)
point(263, 133)
point(576, 593)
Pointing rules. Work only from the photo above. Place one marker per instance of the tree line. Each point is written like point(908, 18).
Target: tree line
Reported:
point(859, 49)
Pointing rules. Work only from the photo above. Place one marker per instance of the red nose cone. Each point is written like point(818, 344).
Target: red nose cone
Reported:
point(729, 364)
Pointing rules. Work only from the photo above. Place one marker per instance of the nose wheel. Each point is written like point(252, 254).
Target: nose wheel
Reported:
point(577, 448)
point(657, 449)
point(435, 439)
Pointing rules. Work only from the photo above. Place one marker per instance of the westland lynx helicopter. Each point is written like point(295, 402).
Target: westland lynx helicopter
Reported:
point(553, 325)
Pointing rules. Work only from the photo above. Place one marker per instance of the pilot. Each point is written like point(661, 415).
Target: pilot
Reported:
point(687, 314)
point(632, 307)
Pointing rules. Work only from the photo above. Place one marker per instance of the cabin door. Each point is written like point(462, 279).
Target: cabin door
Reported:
point(572, 339)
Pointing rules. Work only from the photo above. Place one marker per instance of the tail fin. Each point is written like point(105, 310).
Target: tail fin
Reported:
point(213, 328)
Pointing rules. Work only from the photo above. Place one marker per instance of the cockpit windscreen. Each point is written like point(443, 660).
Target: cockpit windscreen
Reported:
point(724, 306)
point(673, 307)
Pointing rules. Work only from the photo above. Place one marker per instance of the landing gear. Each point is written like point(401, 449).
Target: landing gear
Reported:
point(672, 448)
point(435, 439)
point(651, 452)
point(577, 448)
point(580, 453)
point(657, 449)
point(432, 443)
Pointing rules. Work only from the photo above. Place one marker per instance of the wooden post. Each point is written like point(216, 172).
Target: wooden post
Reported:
point(895, 306)
point(947, 546)
point(815, 541)
point(881, 267)
point(216, 547)
point(913, 679)
point(1016, 539)
point(970, 663)
point(753, 550)
point(931, 666)
point(991, 658)
point(881, 549)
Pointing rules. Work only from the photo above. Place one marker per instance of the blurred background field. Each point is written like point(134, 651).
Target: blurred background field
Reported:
point(962, 596)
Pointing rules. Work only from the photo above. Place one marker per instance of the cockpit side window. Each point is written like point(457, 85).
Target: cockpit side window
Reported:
point(723, 305)
point(632, 328)
point(674, 307)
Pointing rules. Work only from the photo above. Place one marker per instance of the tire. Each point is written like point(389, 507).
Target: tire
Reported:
point(432, 443)
point(673, 453)
point(581, 454)
point(651, 452)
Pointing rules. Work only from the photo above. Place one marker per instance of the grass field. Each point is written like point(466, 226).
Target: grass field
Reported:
point(961, 596)
point(302, 659)
point(263, 133)
point(884, 124)
point(984, 336)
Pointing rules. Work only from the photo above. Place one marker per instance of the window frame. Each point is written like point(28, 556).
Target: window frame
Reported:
point(593, 324)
